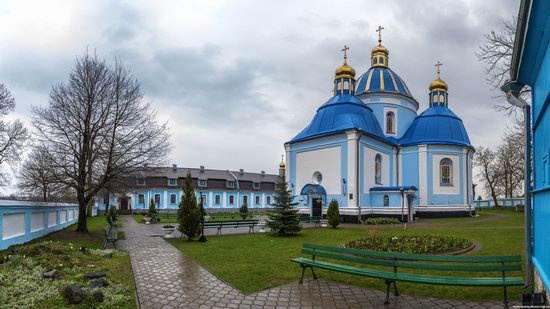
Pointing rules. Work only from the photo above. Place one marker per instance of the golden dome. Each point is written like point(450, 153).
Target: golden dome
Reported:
point(282, 164)
point(379, 49)
point(345, 71)
point(438, 84)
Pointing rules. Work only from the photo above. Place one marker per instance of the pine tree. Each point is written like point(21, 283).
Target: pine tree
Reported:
point(284, 218)
point(152, 210)
point(243, 211)
point(189, 212)
point(333, 214)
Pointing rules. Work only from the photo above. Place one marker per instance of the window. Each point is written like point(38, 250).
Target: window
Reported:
point(378, 169)
point(375, 60)
point(268, 200)
point(390, 127)
point(217, 199)
point(140, 181)
point(245, 199)
point(106, 199)
point(172, 198)
point(446, 172)
point(256, 186)
point(172, 181)
point(386, 200)
point(157, 199)
point(257, 200)
point(317, 178)
point(203, 199)
point(141, 199)
point(231, 199)
point(230, 184)
point(203, 183)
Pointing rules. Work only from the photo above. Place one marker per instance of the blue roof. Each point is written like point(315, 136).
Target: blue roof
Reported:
point(436, 125)
point(381, 79)
point(341, 113)
point(393, 188)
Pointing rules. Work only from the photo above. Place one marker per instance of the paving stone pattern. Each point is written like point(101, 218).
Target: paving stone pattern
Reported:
point(166, 278)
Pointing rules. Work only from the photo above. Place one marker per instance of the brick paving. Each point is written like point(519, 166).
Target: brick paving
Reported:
point(166, 278)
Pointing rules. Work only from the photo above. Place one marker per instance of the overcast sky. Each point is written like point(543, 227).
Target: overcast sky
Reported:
point(237, 79)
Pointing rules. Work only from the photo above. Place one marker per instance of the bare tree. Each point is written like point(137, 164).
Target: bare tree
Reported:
point(510, 159)
point(13, 135)
point(486, 160)
point(497, 52)
point(98, 128)
point(37, 178)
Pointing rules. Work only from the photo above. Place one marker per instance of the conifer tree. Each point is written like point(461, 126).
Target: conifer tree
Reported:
point(284, 218)
point(333, 214)
point(152, 210)
point(189, 212)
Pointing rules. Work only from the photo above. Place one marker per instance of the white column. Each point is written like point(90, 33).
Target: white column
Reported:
point(262, 201)
point(423, 173)
point(224, 200)
point(352, 169)
point(287, 164)
point(166, 198)
point(399, 169)
point(210, 199)
point(465, 174)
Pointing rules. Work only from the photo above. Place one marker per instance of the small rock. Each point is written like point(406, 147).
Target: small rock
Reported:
point(52, 274)
point(94, 275)
point(108, 256)
point(98, 296)
point(98, 283)
point(74, 294)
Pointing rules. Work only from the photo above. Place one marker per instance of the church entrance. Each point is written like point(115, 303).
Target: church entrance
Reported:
point(316, 207)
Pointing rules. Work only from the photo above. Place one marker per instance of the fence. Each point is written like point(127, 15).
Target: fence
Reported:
point(22, 221)
point(504, 202)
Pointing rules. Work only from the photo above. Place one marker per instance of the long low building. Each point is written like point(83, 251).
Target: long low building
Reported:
point(218, 188)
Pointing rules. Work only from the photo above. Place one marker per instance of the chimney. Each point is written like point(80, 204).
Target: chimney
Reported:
point(241, 171)
point(174, 167)
point(202, 168)
point(263, 173)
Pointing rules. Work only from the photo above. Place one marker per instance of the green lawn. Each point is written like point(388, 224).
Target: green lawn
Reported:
point(60, 251)
point(256, 262)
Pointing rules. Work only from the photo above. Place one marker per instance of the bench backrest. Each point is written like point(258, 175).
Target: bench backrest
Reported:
point(231, 223)
point(415, 261)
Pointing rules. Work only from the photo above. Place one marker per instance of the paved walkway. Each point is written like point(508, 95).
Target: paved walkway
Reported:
point(166, 278)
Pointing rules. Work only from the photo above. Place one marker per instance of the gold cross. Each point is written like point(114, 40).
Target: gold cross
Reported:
point(438, 64)
point(379, 30)
point(345, 49)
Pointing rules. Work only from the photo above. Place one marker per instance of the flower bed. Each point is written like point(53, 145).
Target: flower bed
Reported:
point(424, 244)
point(382, 220)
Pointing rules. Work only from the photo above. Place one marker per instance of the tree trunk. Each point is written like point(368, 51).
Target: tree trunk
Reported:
point(495, 199)
point(82, 209)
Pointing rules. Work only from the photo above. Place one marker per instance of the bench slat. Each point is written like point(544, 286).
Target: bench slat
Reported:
point(412, 265)
point(437, 280)
point(418, 257)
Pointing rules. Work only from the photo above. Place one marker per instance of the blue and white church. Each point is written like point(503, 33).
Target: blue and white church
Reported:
point(369, 149)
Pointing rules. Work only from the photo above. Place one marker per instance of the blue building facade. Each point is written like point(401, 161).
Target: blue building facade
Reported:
point(220, 189)
point(531, 67)
point(369, 149)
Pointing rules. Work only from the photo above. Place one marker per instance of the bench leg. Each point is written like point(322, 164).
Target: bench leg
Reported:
point(388, 284)
point(314, 276)
point(505, 298)
point(104, 245)
point(114, 245)
point(303, 271)
point(395, 288)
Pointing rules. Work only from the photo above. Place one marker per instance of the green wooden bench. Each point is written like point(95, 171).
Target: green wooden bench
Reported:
point(231, 223)
point(311, 219)
point(393, 262)
point(111, 235)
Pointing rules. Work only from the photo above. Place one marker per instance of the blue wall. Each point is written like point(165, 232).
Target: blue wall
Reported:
point(16, 210)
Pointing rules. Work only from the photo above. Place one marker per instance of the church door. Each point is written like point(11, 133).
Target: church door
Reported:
point(124, 203)
point(317, 207)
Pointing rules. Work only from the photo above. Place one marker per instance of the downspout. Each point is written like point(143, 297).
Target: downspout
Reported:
point(358, 190)
point(397, 166)
point(527, 190)
point(467, 181)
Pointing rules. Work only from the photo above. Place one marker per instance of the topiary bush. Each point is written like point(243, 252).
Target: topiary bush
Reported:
point(333, 214)
point(382, 220)
point(243, 211)
point(419, 244)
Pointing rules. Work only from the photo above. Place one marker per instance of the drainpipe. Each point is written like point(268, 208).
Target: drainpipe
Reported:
point(358, 190)
point(397, 166)
point(512, 90)
point(467, 180)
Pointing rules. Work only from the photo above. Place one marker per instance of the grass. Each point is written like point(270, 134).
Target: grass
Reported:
point(256, 262)
point(60, 250)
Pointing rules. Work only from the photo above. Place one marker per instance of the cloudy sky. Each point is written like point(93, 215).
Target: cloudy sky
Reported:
point(236, 79)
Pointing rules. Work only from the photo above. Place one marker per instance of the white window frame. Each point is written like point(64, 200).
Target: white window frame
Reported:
point(230, 184)
point(256, 185)
point(141, 181)
point(203, 183)
point(172, 182)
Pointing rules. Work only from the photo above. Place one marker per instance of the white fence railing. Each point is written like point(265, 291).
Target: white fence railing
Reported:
point(504, 202)
point(22, 221)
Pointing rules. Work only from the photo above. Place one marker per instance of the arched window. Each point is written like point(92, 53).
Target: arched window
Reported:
point(390, 125)
point(378, 169)
point(446, 172)
point(375, 60)
point(386, 200)
point(245, 200)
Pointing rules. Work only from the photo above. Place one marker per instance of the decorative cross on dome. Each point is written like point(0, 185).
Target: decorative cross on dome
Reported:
point(345, 49)
point(438, 64)
point(379, 30)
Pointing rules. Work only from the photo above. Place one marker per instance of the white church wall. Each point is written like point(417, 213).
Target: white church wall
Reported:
point(327, 161)
point(437, 187)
